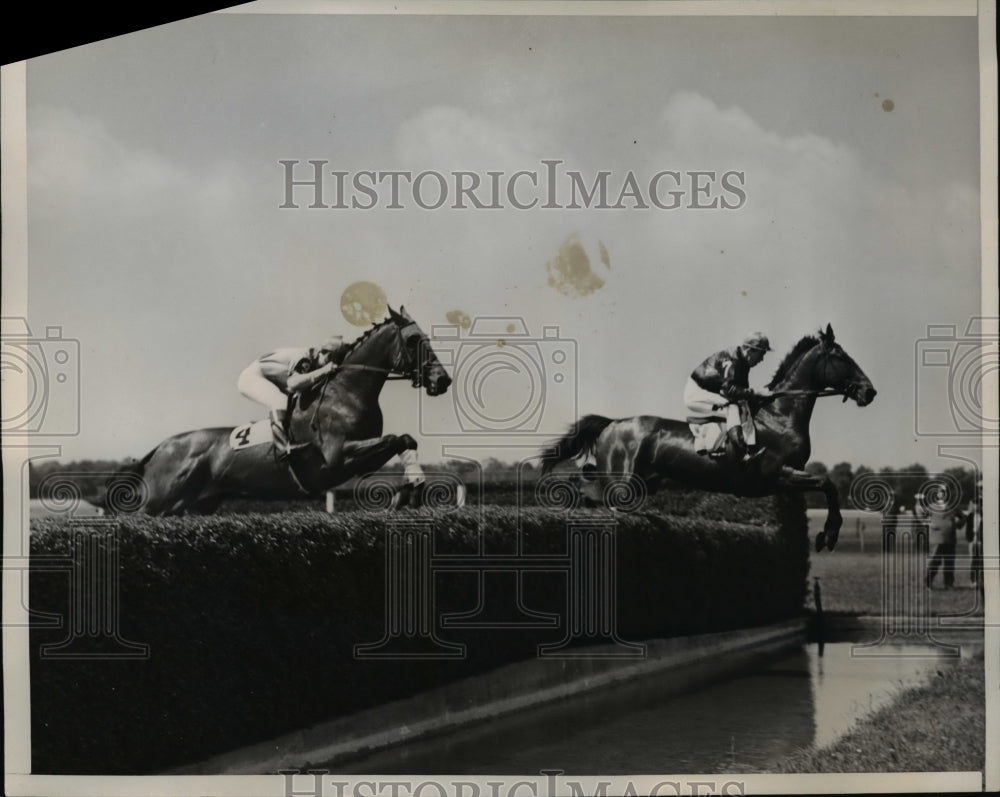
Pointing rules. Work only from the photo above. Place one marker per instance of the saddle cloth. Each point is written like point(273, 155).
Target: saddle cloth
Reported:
point(251, 434)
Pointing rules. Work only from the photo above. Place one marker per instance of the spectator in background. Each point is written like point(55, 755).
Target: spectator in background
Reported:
point(942, 523)
point(974, 536)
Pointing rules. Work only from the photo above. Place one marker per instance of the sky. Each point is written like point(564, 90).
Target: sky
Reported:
point(158, 241)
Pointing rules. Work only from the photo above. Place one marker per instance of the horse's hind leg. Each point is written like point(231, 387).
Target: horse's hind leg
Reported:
point(181, 492)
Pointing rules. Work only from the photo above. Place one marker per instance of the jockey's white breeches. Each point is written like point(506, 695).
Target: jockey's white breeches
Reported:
point(255, 386)
point(702, 403)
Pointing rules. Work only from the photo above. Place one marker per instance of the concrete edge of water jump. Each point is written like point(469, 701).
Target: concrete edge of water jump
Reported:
point(689, 661)
point(955, 629)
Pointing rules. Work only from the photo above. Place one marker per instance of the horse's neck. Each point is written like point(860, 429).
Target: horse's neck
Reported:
point(364, 383)
point(364, 370)
point(797, 409)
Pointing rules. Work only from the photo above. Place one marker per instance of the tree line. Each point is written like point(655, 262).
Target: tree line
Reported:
point(905, 483)
point(90, 474)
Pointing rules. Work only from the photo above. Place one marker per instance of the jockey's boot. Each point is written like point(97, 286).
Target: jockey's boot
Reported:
point(737, 444)
point(278, 421)
point(721, 449)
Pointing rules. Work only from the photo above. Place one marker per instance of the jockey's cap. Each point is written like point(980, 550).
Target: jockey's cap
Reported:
point(332, 343)
point(757, 340)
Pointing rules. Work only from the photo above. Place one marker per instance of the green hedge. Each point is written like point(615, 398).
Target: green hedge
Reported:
point(509, 493)
point(252, 619)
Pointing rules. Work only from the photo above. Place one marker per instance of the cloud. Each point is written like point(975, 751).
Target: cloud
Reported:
point(447, 137)
point(153, 265)
point(208, 259)
point(76, 158)
point(695, 126)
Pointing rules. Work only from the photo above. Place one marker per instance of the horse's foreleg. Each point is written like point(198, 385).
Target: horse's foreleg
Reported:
point(358, 457)
point(804, 481)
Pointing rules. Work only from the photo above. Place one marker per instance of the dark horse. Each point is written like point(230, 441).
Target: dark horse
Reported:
point(337, 425)
point(656, 450)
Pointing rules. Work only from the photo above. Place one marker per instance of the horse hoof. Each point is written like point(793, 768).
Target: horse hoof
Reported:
point(820, 541)
point(408, 442)
point(831, 543)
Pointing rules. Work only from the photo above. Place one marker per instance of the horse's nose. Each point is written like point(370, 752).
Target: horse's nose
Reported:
point(869, 394)
point(440, 381)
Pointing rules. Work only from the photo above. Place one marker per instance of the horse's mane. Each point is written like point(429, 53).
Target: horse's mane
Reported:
point(320, 385)
point(791, 358)
point(365, 335)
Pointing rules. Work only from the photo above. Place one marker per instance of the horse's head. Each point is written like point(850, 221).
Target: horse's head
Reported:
point(839, 371)
point(414, 356)
point(821, 364)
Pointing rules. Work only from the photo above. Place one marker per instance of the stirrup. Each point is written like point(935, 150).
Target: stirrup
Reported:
point(280, 440)
point(754, 456)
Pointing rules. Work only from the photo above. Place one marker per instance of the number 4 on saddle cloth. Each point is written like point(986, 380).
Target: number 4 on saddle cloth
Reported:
point(260, 433)
point(251, 434)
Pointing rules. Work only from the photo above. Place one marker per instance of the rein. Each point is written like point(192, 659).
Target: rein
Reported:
point(390, 374)
point(393, 373)
point(761, 400)
point(813, 393)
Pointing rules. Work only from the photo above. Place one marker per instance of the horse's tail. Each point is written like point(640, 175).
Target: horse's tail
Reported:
point(582, 436)
point(124, 490)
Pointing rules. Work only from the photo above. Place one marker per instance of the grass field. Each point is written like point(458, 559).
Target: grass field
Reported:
point(851, 578)
point(939, 727)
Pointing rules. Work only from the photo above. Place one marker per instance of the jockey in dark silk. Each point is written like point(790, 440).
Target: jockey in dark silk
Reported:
point(721, 384)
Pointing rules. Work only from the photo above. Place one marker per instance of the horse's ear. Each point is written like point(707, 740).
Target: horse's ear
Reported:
point(392, 313)
point(829, 333)
point(404, 314)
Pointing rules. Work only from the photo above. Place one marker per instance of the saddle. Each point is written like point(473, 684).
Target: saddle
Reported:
point(302, 456)
point(699, 420)
point(712, 438)
point(261, 433)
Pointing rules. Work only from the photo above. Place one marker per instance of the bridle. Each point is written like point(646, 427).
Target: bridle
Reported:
point(848, 389)
point(408, 369)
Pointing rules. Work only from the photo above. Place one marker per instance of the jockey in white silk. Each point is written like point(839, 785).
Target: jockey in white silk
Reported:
point(273, 377)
